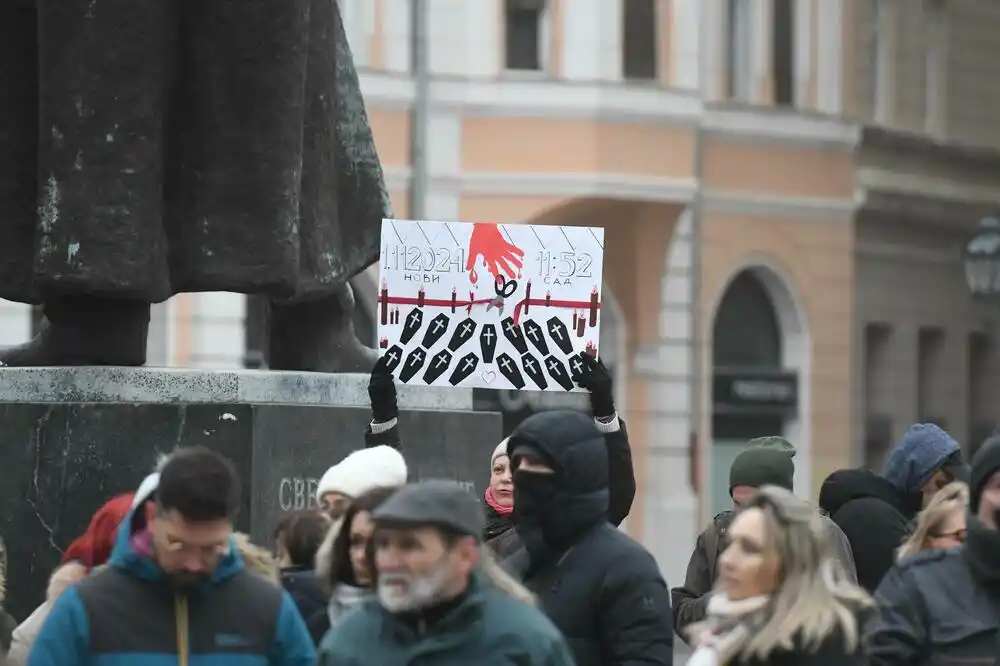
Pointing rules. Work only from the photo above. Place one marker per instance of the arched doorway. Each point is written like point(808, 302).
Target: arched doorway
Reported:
point(759, 358)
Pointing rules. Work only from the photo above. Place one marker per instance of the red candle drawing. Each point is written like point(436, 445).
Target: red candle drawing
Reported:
point(574, 318)
point(385, 303)
point(420, 297)
point(548, 299)
point(454, 299)
point(580, 323)
point(527, 296)
point(591, 350)
point(383, 342)
point(593, 307)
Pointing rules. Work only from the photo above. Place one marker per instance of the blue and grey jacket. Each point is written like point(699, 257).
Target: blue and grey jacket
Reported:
point(127, 614)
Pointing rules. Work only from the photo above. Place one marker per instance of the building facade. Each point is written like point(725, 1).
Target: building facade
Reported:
point(785, 185)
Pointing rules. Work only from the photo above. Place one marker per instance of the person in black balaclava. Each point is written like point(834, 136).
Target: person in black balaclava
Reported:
point(602, 589)
point(943, 605)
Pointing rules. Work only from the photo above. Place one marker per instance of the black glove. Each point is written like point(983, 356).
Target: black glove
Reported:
point(594, 377)
point(382, 393)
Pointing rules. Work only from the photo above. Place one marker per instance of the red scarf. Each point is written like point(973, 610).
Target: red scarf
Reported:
point(501, 510)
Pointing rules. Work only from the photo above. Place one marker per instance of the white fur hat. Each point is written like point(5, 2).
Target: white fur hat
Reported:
point(364, 470)
point(501, 450)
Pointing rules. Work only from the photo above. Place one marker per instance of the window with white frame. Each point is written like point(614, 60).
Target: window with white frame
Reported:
point(523, 22)
point(783, 51)
point(639, 36)
point(935, 63)
point(739, 49)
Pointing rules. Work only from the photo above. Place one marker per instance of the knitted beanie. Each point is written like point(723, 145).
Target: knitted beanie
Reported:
point(763, 465)
point(773, 441)
point(501, 450)
point(985, 463)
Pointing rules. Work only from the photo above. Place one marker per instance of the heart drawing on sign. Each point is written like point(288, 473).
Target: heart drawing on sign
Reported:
point(489, 376)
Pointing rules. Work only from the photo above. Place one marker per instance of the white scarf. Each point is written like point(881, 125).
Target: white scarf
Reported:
point(343, 600)
point(725, 629)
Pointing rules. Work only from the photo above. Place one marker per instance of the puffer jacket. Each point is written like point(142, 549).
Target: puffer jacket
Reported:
point(601, 588)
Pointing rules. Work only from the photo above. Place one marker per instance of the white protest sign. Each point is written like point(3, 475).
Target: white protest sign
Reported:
point(484, 305)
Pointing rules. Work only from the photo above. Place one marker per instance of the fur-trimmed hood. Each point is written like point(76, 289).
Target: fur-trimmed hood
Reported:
point(257, 560)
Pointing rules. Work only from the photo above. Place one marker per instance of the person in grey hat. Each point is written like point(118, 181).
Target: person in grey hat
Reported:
point(439, 593)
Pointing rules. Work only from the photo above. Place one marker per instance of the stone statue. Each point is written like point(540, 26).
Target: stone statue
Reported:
point(153, 147)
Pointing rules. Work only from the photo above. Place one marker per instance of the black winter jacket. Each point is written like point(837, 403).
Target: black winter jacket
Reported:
point(874, 516)
point(501, 534)
point(304, 588)
point(935, 609)
point(602, 589)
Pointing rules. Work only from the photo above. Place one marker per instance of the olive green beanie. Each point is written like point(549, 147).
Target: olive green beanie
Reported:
point(766, 461)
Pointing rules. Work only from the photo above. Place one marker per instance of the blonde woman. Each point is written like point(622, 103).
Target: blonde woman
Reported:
point(942, 522)
point(781, 597)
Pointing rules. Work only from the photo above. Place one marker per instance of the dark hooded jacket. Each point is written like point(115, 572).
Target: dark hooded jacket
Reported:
point(875, 511)
point(304, 587)
point(874, 515)
point(602, 589)
point(501, 533)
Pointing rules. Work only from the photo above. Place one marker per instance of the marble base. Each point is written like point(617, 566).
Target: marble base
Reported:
point(73, 437)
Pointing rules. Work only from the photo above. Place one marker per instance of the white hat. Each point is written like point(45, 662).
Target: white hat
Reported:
point(364, 470)
point(501, 450)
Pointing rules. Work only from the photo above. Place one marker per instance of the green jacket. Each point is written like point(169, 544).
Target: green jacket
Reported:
point(488, 629)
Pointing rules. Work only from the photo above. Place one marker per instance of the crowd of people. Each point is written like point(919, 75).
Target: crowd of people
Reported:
point(898, 568)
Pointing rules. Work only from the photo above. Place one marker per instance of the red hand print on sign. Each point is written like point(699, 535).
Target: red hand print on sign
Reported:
point(487, 242)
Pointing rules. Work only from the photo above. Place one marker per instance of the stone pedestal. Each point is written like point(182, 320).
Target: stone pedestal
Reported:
point(70, 438)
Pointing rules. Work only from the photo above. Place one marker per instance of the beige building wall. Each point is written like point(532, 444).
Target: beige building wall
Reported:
point(927, 166)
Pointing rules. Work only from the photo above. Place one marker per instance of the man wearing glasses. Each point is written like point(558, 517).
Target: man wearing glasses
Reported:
point(176, 586)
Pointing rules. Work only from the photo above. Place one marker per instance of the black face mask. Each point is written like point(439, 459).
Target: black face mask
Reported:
point(534, 495)
point(982, 550)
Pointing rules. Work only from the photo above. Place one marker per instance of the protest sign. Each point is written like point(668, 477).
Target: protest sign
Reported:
point(502, 306)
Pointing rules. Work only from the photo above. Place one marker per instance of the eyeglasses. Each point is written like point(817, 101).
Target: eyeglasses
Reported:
point(209, 552)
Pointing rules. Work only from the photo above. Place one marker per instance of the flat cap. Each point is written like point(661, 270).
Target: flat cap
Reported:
point(434, 502)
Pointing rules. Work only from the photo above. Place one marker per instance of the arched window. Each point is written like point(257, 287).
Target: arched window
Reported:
point(746, 331)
